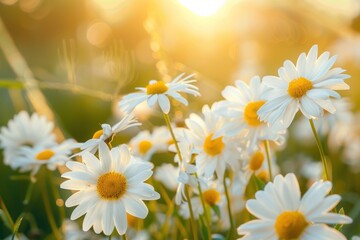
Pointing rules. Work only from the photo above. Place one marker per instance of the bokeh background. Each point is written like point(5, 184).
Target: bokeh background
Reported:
point(85, 54)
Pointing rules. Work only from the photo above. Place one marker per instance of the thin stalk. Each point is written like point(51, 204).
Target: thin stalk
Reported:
point(321, 150)
point(124, 237)
point(267, 149)
point(29, 192)
point(57, 196)
point(206, 212)
point(192, 218)
point(48, 210)
point(232, 225)
point(168, 124)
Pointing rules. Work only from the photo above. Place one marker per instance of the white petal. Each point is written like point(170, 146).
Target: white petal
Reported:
point(135, 207)
point(120, 217)
point(164, 103)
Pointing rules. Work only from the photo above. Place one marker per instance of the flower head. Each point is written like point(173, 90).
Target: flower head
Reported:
point(108, 188)
point(145, 144)
point(159, 92)
point(24, 130)
point(241, 106)
point(32, 158)
point(290, 216)
point(308, 86)
point(214, 149)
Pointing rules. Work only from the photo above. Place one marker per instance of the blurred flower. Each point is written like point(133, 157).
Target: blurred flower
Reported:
point(348, 50)
point(254, 161)
point(241, 106)
point(28, 158)
point(23, 130)
point(308, 86)
point(145, 144)
point(214, 150)
point(159, 91)
point(73, 232)
point(166, 174)
point(107, 133)
point(311, 170)
point(290, 216)
point(108, 188)
point(333, 125)
point(352, 154)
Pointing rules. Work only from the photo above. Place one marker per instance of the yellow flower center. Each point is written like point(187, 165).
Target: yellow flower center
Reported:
point(111, 185)
point(144, 146)
point(45, 155)
point(290, 225)
point(256, 161)
point(263, 175)
point(211, 196)
point(250, 113)
point(170, 142)
point(156, 88)
point(132, 221)
point(298, 87)
point(98, 134)
point(213, 147)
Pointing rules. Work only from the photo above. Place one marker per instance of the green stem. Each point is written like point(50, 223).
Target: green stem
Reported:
point(124, 237)
point(48, 210)
point(232, 225)
point(168, 124)
point(57, 196)
point(29, 192)
point(321, 150)
point(206, 212)
point(267, 149)
point(192, 218)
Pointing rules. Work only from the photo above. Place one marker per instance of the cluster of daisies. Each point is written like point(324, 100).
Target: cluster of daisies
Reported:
point(215, 156)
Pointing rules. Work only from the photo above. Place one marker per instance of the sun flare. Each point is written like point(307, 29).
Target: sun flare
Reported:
point(203, 7)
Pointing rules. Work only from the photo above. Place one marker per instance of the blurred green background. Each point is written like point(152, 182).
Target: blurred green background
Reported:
point(85, 54)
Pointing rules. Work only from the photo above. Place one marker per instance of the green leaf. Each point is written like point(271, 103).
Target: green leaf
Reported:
point(204, 230)
point(5, 220)
point(17, 225)
point(259, 183)
point(5, 215)
point(339, 226)
point(4, 83)
point(216, 209)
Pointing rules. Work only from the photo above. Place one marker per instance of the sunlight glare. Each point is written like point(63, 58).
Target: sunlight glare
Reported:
point(203, 7)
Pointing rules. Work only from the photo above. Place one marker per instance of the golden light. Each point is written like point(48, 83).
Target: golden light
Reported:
point(203, 7)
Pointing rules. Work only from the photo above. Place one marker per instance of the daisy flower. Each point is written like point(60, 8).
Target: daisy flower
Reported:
point(159, 92)
point(106, 133)
point(214, 149)
point(290, 216)
point(108, 188)
point(308, 86)
point(254, 161)
point(145, 144)
point(166, 174)
point(25, 130)
point(241, 106)
point(53, 156)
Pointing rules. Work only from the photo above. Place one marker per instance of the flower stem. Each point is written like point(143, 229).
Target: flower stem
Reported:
point(206, 212)
point(267, 149)
point(232, 225)
point(29, 192)
point(50, 214)
point(321, 150)
point(124, 237)
point(192, 218)
point(168, 124)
